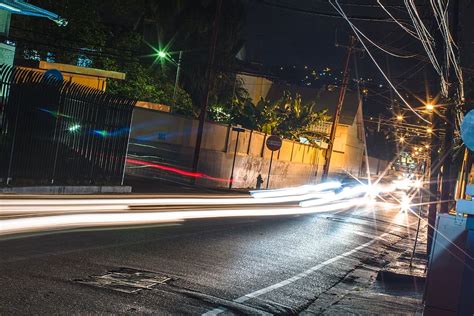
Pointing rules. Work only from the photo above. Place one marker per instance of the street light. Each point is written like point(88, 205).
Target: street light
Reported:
point(402, 139)
point(429, 106)
point(429, 130)
point(399, 117)
point(161, 54)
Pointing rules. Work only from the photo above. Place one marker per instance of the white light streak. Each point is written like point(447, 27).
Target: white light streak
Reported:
point(39, 205)
point(43, 223)
point(344, 194)
point(301, 190)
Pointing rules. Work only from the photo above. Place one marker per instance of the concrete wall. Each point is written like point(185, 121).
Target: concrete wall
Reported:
point(354, 149)
point(168, 140)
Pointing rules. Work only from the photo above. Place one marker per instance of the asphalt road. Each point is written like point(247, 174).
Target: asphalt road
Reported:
point(252, 265)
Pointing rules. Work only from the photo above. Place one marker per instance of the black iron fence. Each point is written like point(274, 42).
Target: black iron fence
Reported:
point(56, 132)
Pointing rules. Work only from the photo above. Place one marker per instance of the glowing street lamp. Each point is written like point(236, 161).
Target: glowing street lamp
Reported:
point(399, 117)
point(429, 130)
point(161, 54)
point(402, 139)
point(429, 107)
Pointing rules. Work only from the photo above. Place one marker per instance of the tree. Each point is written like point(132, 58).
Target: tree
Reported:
point(290, 118)
point(231, 103)
point(117, 35)
point(300, 118)
point(104, 35)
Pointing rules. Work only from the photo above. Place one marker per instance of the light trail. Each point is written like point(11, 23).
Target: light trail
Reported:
point(297, 194)
point(301, 190)
point(345, 194)
point(69, 221)
point(46, 204)
point(36, 215)
point(175, 170)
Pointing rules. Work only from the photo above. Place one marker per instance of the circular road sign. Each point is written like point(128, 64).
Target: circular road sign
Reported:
point(53, 74)
point(273, 143)
point(467, 130)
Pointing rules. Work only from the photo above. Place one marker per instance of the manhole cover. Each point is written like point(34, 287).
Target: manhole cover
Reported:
point(126, 280)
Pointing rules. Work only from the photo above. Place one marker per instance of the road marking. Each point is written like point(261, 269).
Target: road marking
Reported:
point(364, 234)
point(242, 299)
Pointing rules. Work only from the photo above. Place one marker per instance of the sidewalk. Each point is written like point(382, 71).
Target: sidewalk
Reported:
point(383, 285)
point(146, 185)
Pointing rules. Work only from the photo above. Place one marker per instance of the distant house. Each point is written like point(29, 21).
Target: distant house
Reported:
point(349, 146)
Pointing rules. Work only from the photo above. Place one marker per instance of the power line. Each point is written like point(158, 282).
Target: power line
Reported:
point(324, 14)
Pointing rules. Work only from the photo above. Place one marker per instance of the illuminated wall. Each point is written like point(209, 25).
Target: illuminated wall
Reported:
point(169, 140)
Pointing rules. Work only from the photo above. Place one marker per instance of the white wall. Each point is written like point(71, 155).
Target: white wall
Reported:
point(168, 140)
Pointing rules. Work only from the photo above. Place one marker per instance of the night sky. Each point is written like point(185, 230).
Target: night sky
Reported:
point(288, 37)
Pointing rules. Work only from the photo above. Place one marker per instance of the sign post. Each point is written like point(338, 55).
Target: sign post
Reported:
point(273, 144)
point(238, 130)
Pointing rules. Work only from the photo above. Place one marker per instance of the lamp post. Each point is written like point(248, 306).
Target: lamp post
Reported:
point(163, 55)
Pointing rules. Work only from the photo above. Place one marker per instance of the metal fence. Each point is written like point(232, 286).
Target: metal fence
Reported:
point(56, 132)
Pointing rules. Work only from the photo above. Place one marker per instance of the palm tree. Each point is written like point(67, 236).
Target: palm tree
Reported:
point(291, 118)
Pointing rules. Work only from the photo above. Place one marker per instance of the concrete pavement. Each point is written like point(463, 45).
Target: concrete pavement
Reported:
point(279, 265)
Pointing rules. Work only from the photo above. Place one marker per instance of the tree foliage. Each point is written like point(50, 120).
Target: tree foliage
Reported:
point(123, 36)
point(290, 117)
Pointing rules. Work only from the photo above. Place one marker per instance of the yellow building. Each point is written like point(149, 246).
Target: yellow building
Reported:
point(90, 77)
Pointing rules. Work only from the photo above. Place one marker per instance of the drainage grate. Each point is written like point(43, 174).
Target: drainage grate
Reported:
point(126, 280)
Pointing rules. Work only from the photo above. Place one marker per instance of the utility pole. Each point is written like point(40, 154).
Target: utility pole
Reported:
point(447, 185)
point(337, 112)
point(178, 71)
point(435, 157)
point(209, 73)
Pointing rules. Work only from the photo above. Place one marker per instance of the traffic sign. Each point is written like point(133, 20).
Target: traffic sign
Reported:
point(53, 74)
point(467, 130)
point(273, 143)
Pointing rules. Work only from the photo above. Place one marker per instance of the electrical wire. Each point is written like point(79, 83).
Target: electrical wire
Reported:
point(427, 42)
point(339, 9)
point(406, 29)
point(324, 14)
point(441, 17)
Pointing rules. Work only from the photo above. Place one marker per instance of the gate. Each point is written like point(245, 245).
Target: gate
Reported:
point(56, 132)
